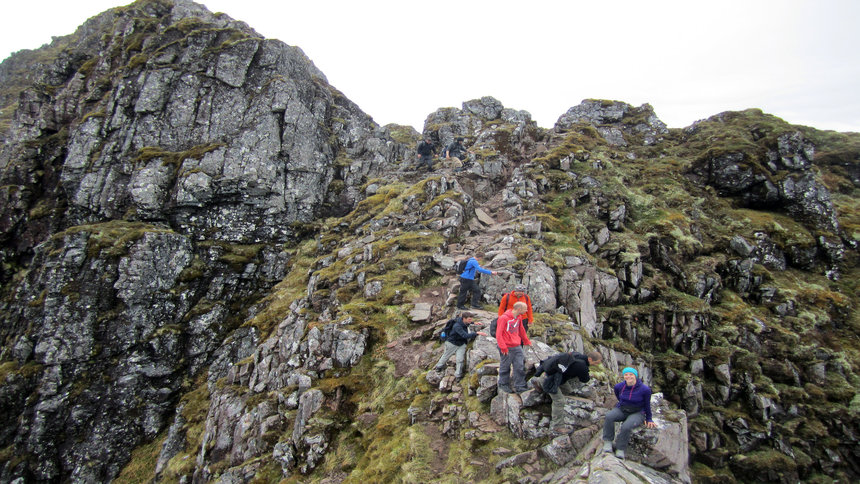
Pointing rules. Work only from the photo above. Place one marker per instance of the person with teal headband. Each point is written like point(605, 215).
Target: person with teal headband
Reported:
point(633, 408)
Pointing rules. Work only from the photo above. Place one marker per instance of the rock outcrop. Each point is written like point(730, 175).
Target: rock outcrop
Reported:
point(215, 267)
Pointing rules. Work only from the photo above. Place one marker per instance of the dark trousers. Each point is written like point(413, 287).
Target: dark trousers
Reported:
point(514, 360)
point(466, 286)
point(426, 160)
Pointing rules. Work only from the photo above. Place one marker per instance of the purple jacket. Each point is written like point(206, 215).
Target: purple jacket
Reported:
point(639, 395)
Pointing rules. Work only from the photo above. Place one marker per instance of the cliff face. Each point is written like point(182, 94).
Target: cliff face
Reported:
point(216, 267)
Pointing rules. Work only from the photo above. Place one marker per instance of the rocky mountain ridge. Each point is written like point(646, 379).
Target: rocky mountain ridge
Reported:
point(218, 268)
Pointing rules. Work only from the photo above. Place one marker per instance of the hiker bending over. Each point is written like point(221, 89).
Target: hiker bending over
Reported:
point(455, 149)
point(518, 294)
point(455, 342)
point(633, 408)
point(562, 372)
point(469, 284)
point(510, 336)
point(425, 153)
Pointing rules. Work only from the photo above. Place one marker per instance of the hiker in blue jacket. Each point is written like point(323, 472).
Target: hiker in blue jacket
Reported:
point(633, 408)
point(469, 284)
point(455, 343)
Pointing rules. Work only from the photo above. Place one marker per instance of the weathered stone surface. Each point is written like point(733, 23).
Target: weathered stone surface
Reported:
point(615, 114)
point(505, 410)
point(799, 193)
point(176, 209)
point(666, 448)
point(518, 460)
point(472, 121)
point(606, 468)
point(421, 312)
point(540, 280)
point(309, 403)
point(561, 450)
point(484, 217)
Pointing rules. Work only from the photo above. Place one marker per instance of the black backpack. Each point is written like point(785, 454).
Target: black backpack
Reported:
point(493, 327)
point(461, 266)
point(446, 331)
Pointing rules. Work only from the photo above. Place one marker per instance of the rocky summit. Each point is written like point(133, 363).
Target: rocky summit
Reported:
point(217, 268)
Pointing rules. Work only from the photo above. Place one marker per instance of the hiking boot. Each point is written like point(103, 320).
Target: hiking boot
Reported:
point(505, 388)
point(619, 453)
point(462, 308)
point(607, 446)
point(522, 390)
point(537, 385)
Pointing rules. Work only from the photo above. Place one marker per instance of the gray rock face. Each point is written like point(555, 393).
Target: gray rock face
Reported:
point(797, 190)
point(582, 287)
point(184, 161)
point(234, 139)
point(236, 428)
point(473, 122)
point(149, 354)
point(540, 279)
point(614, 120)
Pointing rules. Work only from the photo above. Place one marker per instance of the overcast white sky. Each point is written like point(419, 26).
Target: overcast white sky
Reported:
point(400, 60)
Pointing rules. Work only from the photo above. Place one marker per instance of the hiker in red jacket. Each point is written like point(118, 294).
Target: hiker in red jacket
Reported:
point(510, 336)
point(517, 295)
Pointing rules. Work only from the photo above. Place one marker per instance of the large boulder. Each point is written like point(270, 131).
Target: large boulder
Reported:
point(665, 448)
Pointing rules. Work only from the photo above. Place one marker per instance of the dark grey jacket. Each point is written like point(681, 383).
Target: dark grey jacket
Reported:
point(460, 334)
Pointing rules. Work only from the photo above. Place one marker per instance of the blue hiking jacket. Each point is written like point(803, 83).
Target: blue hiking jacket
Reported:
point(472, 266)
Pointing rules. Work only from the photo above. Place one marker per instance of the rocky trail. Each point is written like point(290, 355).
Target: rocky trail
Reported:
point(416, 351)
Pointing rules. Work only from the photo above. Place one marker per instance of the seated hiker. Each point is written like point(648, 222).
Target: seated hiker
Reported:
point(468, 283)
point(561, 370)
point(633, 408)
point(518, 294)
point(425, 153)
point(456, 149)
point(455, 342)
point(511, 336)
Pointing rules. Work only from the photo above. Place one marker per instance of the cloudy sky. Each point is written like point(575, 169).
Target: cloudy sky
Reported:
point(400, 60)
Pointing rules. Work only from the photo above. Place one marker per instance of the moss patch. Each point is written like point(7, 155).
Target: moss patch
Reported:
point(175, 158)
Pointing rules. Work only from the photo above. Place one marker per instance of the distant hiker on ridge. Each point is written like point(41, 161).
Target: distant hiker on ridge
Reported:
point(455, 342)
point(425, 153)
point(469, 284)
point(633, 408)
point(511, 336)
point(561, 369)
point(518, 294)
